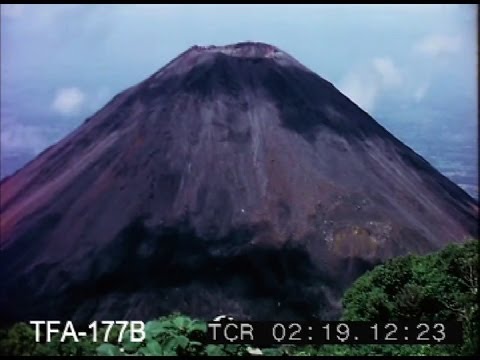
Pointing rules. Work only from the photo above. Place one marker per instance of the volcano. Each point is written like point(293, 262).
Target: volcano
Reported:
point(234, 180)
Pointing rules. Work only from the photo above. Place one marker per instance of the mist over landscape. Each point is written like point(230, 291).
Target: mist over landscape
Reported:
point(187, 168)
point(412, 67)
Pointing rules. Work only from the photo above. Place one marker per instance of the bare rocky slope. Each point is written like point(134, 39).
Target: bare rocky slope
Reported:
point(233, 180)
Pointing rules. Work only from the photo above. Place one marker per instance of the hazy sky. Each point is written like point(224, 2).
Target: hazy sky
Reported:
point(61, 63)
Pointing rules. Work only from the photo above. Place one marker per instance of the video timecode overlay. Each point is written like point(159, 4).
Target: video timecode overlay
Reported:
point(334, 332)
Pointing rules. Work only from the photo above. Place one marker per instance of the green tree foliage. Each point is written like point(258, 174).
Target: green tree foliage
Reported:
point(18, 340)
point(441, 286)
point(172, 335)
point(438, 287)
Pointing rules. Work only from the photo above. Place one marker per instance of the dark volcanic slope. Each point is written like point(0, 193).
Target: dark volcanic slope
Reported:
point(233, 180)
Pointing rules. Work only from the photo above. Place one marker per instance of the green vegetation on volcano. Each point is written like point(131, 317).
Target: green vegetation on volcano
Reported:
point(441, 286)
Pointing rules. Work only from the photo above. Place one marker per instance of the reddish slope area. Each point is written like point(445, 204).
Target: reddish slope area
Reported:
point(233, 180)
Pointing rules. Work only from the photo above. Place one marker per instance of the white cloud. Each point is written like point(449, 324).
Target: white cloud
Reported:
point(16, 136)
point(364, 86)
point(68, 100)
point(361, 91)
point(437, 45)
point(421, 92)
point(12, 10)
point(390, 75)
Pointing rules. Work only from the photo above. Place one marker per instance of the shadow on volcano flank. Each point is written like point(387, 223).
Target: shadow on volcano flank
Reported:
point(234, 180)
